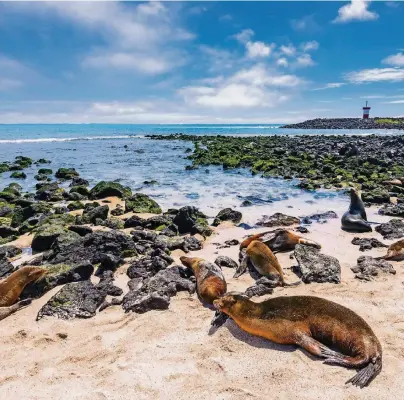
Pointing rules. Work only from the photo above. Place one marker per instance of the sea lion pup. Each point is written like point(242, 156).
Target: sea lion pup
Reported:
point(279, 240)
point(265, 263)
point(12, 286)
point(395, 252)
point(314, 324)
point(355, 219)
point(210, 282)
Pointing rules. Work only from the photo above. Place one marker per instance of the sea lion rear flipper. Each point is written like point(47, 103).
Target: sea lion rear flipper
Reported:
point(24, 303)
point(367, 374)
point(242, 267)
point(297, 283)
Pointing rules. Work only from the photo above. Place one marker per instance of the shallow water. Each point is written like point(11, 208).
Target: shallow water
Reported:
point(98, 152)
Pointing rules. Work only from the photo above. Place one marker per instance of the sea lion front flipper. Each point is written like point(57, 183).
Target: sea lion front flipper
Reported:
point(316, 348)
point(242, 267)
point(297, 283)
point(219, 319)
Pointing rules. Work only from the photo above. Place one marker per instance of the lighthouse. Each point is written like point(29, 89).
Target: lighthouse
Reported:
point(366, 111)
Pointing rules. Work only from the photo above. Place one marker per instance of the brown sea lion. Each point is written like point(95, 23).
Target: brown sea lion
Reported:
point(265, 263)
point(210, 282)
point(6, 311)
point(355, 219)
point(314, 324)
point(395, 252)
point(279, 240)
point(12, 286)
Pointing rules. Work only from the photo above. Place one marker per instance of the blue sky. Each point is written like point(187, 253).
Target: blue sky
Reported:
point(199, 62)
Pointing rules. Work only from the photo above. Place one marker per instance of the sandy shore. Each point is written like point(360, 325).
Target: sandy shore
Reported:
point(173, 355)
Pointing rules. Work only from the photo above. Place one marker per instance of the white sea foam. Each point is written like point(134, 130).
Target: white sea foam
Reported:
point(70, 139)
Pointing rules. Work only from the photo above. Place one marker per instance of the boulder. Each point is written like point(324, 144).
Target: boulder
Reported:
point(227, 214)
point(155, 292)
point(149, 266)
point(75, 205)
point(116, 212)
point(7, 231)
point(224, 261)
point(367, 243)
point(376, 196)
point(262, 287)
point(134, 222)
point(80, 229)
point(66, 173)
point(18, 175)
point(77, 181)
point(81, 190)
point(315, 266)
point(394, 229)
point(91, 214)
point(278, 219)
point(45, 236)
point(108, 189)
point(187, 217)
point(6, 267)
point(111, 223)
point(368, 267)
point(158, 222)
point(320, 217)
point(186, 244)
point(9, 251)
point(45, 171)
point(141, 203)
point(59, 274)
point(75, 300)
point(393, 210)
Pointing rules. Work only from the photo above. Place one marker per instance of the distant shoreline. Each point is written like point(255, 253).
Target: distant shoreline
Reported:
point(349, 123)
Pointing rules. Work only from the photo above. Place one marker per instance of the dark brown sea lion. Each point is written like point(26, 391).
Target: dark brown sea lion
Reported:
point(6, 311)
point(395, 252)
point(264, 261)
point(313, 324)
point(279, 240)
point(12, 286)
point(210, 282)
point(355, 219)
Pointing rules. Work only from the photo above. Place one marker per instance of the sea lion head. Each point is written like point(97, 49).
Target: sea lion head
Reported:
point(35, 274)
point(187, 261)
point(230, 301)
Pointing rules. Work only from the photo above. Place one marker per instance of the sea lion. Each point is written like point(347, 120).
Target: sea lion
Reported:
point(210, 282)
point(395, 252)
point(12, 286)
point(279, 240)
point(314, 324)
point(355, 219)
point(264, 262)
point(6, 311)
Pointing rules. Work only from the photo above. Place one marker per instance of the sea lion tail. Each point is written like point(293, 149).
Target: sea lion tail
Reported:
point(310, 243)
point(367, 374)
point(297, 283)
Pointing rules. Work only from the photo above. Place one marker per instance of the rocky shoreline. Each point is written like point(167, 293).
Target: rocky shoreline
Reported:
point(373, 163)
point(349, 123)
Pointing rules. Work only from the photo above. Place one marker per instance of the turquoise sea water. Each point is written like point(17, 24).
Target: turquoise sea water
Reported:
point(99, 152)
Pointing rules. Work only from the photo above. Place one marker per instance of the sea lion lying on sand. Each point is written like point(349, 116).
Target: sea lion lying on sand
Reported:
point(264, 262)
point(355, 219)
point(6, 311)
point(279, 240)
point(210, 282)
point(395, 252)
point(314, 324)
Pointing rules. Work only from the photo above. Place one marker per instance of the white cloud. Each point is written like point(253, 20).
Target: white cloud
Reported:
point(308, 46)
point(244, 36)
point(394, 102)
point(307, 23)
point(304, 60)
point(258, 49)
point(356, 10)
point(331, 86)
point(282, 62)
point(288, 50)
point(253, 87)
point(396, 60)
point(376, 75)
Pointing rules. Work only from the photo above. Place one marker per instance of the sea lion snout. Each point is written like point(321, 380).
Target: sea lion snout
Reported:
point(186, 261)
point(37, 274)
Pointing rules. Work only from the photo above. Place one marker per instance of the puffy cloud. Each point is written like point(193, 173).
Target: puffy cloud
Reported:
point(244, 36)
point(396, 60)
point(288, 50)
point(356, 10)
point(258, 49)
point(304, 60)
point(282, 62)
point(308, 46)
point(376, 75)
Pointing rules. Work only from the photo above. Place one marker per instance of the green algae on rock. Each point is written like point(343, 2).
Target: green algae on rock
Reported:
point(106, 189)
point(141, 203)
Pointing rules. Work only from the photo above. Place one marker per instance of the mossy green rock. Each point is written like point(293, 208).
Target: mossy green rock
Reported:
point(7, 196)
point(5, 221)
point(18, 175)
point(141, 203)
point(75, 205)
point(107, 189)
point(25, 162)
point(66, 173)
point(4, 168)
point(45, 171)
point(81, 190)
point(43, 161)
point(45, 236)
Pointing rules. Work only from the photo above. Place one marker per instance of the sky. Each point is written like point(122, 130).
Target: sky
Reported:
point(199, 62)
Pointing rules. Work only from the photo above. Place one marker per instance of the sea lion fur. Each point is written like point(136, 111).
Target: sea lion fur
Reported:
point(314, 324)
point(355, 219)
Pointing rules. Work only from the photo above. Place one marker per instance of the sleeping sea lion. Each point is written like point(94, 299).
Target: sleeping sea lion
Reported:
point(210, 282)
point(279, 240)
point(314, 324)
point(6, 311)
point(355, 219)
point(265, 263)
point(12, 286)
point(395, 252)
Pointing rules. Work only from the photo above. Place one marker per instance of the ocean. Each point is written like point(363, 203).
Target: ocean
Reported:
point(123, 153)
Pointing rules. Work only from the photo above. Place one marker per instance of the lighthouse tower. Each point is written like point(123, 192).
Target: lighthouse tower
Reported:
point(366, 111)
